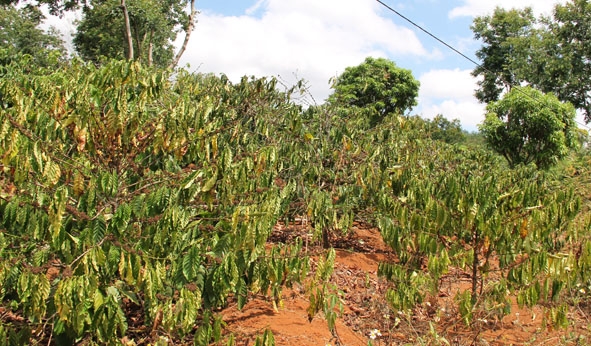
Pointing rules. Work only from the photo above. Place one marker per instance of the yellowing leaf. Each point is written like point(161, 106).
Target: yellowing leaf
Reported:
point(80, 135)
point(78, 184)
point(214, 146)
point(523, 229)
point(210, 183)
point(346, 144)
point(52, 172)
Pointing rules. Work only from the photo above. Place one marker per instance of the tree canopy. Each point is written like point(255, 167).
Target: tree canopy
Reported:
point(496, 32)
point(141, 29)
point(528, 126)
point(20, 34)
point(378, 85)
point(56, 7)
point(557, 57)
point(443, 129)
point(551, 54)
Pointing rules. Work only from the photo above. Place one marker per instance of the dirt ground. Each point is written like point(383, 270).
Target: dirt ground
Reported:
point(367, 314)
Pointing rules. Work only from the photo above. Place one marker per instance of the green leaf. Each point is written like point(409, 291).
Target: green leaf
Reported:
point(190, 179)
point(191, 263)
point(241, 293)
point(99, 229)
point(210, 183)
point(52, 172)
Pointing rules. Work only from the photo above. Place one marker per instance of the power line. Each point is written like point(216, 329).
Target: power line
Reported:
point(428, 33)
point(455, 50)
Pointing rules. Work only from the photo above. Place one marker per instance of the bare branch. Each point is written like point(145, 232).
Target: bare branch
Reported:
point(127, 31)
point(190, 27)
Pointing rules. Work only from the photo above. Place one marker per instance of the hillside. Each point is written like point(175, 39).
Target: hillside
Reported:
point(140, 207)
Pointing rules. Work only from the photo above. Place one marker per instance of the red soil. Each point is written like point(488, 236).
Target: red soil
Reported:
point(365, 309)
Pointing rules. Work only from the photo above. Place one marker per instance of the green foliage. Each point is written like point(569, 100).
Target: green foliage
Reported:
point(496, 32)
point(20, 35)
point(409, 286)
point(554, 57)
point(55, 6)
point(445, 206)
point(445, 130)
point(527, 126)
point(465, 306)
point(323, 295)
point(267, 339)
point(141, 192)
point(153, 24)
point(377, 85)
point(549, 54)
point(568, 26)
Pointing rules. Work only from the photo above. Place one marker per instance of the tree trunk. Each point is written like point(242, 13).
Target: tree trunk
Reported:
point(188, 31)
point(139, 43)
point(151, 49)
point(325, 238)
point(475, 261)
point(127, 31)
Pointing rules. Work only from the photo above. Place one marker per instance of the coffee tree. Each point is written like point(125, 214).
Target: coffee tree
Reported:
point(124, 191)
point(452, 207)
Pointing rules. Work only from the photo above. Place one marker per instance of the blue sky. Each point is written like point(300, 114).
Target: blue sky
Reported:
point(316, 40)
point(430, 14)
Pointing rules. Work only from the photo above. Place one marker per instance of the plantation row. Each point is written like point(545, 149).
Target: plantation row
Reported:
point(127, 189)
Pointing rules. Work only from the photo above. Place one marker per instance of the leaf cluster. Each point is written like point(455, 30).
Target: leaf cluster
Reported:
point(153, 24)
point(378, 86)
point(127, 191)
point(20, 35)
point(549, 54)
point(132, 199)
point(527, 126)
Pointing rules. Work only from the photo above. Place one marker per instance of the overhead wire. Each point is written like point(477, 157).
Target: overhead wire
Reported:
point(457, 51)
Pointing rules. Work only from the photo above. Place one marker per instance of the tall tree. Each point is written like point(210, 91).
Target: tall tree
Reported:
point(528, 126)
point(20, 34)
point(377, 85)
point(551, 54)
point(56, 7)
point(557, 57)
point(443, 129)
point(496, 32)
point(137, 29)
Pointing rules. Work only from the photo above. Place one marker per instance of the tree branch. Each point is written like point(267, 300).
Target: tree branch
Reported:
point(151, 49)
point(188, 31)
point(127, 30)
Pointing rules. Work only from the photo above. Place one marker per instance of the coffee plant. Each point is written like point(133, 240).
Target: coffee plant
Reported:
point(445, 206)
point(134, 203)
point(129, 190)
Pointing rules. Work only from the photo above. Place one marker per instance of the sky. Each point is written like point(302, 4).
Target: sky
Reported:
point(315, 40)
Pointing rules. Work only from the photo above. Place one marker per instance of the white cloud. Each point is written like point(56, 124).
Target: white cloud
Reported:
point(314, 39)
point(450, 93)
point(580, 119)
point(251, 10)
point(456, 83)
point(469, 113)
point(66, 24)
point(474, 8)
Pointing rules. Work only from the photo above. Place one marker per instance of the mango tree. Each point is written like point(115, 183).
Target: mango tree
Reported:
point(527, 126)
